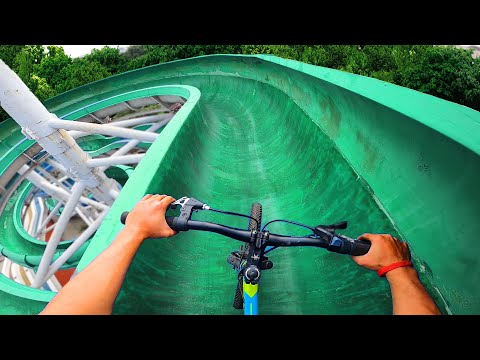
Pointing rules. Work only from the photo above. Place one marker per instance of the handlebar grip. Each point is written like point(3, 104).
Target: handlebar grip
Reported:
point(359, 247)
point(344, 245)
point(170, 220)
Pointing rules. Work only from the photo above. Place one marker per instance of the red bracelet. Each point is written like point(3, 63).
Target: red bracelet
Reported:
point(382, 271)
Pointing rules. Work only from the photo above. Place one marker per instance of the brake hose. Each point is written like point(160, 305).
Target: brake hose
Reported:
point(237, 214)
point(287, 221)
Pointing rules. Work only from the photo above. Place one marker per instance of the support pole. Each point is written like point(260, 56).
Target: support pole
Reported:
point(54, 191)
point(84, 217)
point(164, 118)
point(115, 160)
point(57, 264)
point(58, 231)
point(133, 143)
point(25, 109)
point(48, 218)
point(109, 130)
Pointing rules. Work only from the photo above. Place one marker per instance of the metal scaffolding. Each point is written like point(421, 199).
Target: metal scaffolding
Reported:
point(69, 176)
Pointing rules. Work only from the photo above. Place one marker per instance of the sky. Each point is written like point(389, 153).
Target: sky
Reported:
point(80, 50)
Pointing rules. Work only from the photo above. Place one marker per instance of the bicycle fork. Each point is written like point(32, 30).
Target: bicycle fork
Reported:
point(248, 267)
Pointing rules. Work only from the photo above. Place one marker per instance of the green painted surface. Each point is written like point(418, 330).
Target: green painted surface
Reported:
point(313, 145)
point(19, 299)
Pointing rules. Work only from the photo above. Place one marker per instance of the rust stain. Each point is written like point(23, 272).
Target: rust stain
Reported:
point(370, 158)
point(331, 118)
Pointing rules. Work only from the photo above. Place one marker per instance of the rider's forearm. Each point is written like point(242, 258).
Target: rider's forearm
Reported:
point(409, 295)
point(94, 289)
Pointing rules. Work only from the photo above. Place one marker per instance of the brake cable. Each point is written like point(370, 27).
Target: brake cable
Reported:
point(290, 222)
point(237, 214)
point(313, 235)
point(183, 200)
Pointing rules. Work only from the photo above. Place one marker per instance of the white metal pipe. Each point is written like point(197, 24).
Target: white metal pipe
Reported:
point(67, 254)
point(44, 231)
point(144, 113)
point(142, 120)
point(59, 167)
point(52, 178)
point(58, 231)
point(48, 218)
point(115, 160)
point(43, 211)
point(94, 203)
point(55, 191)
point(125, 148)
point(54, 284)
point(114, 193)
point(133, 143)
point(130, 106)
point(82, 215)
point(40, 182)
point(24, 107)
point(127, 123)
point(102, 129)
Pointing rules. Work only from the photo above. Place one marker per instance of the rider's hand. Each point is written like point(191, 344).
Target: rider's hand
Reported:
point(147, 219)
point(385, 250)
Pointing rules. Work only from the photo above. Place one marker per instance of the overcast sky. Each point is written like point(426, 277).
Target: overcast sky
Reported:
point(80, 50)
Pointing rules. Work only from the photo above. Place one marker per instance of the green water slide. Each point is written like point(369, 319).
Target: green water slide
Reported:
point(311, 144)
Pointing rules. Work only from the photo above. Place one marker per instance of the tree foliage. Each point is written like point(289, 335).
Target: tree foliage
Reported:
point(109, 57)
point(444, 71)
point(51, 66)
point(448, 73)
point(79, 72)
point(156, 54)
point(8, 53)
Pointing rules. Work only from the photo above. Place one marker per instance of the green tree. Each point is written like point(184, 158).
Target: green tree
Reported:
point(256, 49)
point(50, 67)
point(446, 72)
point(41, 88)
point(23, 65)
point(314, 54)
point(293, 52)
point(80, 72)
point(9, 52)
point(156, 54)
point(21, 59)
point(109, 57)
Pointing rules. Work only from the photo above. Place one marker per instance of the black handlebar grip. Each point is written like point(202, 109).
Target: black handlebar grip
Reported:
point(360, 247)
point(169, 220)
point(123, 217)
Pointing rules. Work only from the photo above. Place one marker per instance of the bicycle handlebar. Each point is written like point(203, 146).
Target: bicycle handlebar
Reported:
point(338, 243)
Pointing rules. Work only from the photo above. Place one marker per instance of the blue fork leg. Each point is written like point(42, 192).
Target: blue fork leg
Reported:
point(250, 299)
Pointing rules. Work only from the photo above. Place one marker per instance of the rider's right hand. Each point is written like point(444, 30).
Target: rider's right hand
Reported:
point(385, 250)
point(147, 218)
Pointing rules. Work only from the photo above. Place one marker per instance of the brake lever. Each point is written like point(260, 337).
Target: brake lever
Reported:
point(323, 232)
point(193, 203)
point(182, 201)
